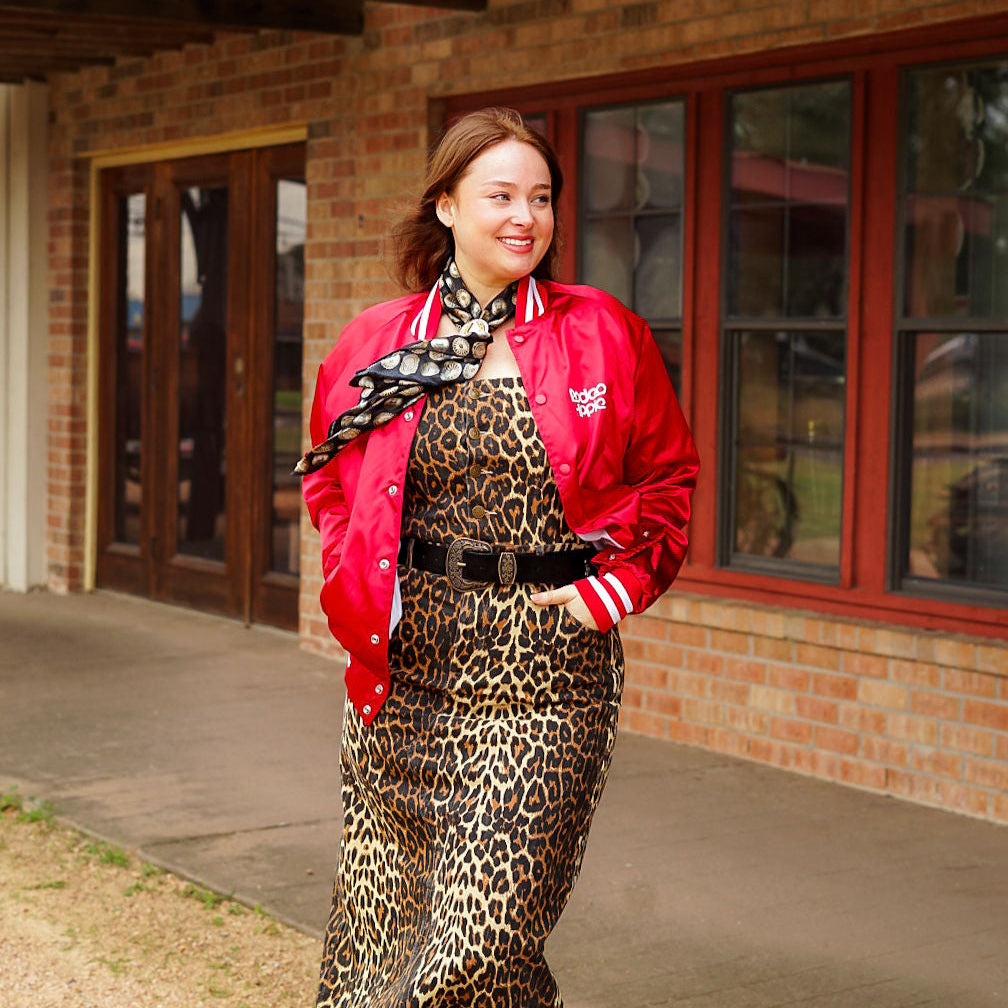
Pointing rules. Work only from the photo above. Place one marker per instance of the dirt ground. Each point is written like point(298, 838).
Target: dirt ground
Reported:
point(84, 924)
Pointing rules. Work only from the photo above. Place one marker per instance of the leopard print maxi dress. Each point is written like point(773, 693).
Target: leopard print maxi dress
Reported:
point(467, 801)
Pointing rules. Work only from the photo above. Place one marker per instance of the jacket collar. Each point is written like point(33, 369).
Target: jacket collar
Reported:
point(532, 300)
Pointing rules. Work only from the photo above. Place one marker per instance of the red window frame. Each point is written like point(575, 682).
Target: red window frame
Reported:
point(866, 586)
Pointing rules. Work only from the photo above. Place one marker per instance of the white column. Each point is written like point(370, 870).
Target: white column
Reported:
point(24, 334)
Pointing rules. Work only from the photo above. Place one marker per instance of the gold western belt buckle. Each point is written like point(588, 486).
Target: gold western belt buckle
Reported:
point(454, 564)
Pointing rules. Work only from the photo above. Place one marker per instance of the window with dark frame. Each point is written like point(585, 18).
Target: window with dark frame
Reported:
point(785, 331)
point(952, 329)
point(824, 199)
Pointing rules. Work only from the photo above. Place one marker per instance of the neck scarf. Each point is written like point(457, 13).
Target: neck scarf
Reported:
point(398, 379)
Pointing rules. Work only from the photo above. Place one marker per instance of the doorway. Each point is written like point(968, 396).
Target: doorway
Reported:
point(200, 317)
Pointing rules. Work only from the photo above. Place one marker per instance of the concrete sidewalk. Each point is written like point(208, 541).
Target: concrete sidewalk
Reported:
point(709, 882)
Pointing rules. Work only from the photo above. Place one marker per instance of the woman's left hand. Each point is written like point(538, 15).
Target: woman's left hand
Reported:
point(570, 598)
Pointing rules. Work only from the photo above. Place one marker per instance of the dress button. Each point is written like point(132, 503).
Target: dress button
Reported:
point(383, 563)
point(474, 434)
point(393, 490)
point(540, 398)
point(478, 512)
point(379, 689)
point(375, 639)
point(475, 471)
point(366, 709)
point(408, 415)
point(474, 393)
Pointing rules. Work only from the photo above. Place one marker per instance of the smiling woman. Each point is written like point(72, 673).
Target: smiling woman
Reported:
point(481, 539)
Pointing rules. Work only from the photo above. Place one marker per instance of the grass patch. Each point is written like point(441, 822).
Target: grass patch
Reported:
point(107, 854)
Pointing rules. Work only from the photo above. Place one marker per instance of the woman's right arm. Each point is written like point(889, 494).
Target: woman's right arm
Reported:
point(323, 493)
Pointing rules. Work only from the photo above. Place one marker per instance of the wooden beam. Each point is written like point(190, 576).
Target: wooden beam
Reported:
point(342, 17)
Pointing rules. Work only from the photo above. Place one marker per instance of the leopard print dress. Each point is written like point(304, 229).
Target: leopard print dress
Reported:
point(467, 801)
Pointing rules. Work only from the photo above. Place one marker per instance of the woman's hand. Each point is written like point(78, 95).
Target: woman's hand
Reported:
point(569, 597)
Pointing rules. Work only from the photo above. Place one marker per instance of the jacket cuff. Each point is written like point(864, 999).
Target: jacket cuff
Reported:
point(606, 598)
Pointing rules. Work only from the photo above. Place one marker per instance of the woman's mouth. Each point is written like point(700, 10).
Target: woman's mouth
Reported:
point(518, 244)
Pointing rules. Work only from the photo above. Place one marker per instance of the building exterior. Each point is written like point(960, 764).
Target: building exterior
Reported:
point(807, 200)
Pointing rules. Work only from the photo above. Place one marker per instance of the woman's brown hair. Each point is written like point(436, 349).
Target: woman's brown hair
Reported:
point(421, 244)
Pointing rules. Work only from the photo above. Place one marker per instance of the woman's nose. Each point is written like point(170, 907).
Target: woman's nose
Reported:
point(521, 213)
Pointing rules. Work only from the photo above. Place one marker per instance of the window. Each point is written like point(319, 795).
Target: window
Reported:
point(819, 240)
point(785, 335)
point(630, 234)
point(953, 327)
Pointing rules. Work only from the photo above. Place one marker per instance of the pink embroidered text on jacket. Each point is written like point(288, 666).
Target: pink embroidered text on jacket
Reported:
point(620, 451)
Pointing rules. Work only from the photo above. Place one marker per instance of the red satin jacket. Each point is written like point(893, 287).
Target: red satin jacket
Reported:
point(614, 434)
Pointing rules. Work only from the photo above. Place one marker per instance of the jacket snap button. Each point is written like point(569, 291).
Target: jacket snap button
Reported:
point(564, 468)
point(393, 490)
point(408, 415)
point(379, 689)
point(540, 398)
point(375, 639)
point(383, 563)
point(519, 339)
point(366, 709)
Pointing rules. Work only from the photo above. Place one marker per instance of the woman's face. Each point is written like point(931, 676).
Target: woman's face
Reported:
point(501, 214)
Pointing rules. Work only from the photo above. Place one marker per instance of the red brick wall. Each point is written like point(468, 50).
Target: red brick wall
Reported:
point(907, 712)
point(893, 710)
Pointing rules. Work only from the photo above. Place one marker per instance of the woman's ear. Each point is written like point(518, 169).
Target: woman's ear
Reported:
point(445, 210)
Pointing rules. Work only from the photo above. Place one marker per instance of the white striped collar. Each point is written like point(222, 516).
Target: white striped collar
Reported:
point(531, 305)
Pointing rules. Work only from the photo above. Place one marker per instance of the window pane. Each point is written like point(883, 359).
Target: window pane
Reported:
point(132, 247)
point(789, 445)
point(659, 244)
point(202, 358)
point(290, 237)
point(956, 212)
point(608, 258)
point(610, 160)
point(787, 247)
point(959, 464)
point(660, 156)
point(632, 208)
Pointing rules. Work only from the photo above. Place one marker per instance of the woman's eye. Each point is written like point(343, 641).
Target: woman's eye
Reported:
point(542, 200)
point(500, 196)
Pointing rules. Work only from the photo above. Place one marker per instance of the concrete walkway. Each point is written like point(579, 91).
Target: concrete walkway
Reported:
point(709, 882)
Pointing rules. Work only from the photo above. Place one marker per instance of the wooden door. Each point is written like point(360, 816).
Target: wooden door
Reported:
point(201, 296)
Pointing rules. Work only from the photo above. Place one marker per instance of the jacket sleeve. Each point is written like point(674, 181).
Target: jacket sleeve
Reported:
point(640, 559)
point(323, 493)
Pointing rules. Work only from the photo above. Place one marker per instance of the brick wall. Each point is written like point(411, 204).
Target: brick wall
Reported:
point(906, 712)
point(817, 695)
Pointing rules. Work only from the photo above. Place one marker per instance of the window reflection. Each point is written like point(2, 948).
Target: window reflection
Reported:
point(787, 260)
point(788, 217)
point(959, 472)
point(287, 353)
point(956, 210)
point(132, 248)
point(632, 203)
point(789, 452)
point(202, 357)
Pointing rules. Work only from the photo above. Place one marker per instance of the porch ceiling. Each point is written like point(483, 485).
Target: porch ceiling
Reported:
point(43, 37)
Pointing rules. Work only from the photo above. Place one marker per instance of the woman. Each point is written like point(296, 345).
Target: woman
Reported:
point(503, 474)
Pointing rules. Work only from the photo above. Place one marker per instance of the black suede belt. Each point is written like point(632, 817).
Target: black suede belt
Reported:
point(469, 563)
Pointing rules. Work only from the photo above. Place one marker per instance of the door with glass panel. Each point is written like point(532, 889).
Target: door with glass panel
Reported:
point(200, 377)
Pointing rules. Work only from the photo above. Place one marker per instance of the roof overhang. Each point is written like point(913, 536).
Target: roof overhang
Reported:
point(42, 37)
